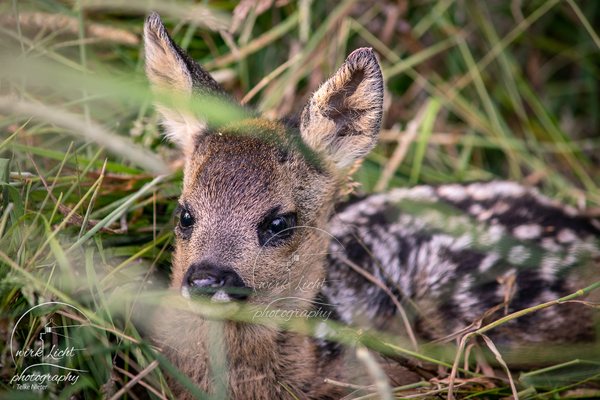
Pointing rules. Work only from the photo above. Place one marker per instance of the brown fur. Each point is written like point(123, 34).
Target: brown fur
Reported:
point(235, 176)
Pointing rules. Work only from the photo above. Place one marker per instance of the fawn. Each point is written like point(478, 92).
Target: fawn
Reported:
point(258, 229)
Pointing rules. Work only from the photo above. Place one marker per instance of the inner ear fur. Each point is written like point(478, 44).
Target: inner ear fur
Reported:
point(343, 117)
point(176, 79)
point(168, 65)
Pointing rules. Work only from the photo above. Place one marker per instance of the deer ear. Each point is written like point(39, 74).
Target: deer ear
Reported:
point(176, 78)
point(343, 117)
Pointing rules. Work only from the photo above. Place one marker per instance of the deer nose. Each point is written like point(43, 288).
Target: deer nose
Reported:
point(205, 279)
point(220, 283)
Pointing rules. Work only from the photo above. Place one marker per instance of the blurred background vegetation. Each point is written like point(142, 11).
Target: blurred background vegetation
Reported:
point(475, 90)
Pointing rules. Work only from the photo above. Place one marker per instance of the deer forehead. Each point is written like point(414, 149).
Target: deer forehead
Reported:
point(251, 162)
point(241, 177)
point(234, 170)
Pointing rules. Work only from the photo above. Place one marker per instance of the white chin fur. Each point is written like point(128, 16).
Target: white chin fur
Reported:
point(221, 297)
point(185, 292)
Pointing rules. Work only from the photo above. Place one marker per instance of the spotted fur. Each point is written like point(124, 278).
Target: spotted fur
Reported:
point(443, 247)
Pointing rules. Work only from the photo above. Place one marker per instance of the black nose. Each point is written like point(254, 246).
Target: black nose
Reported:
point(206, 279)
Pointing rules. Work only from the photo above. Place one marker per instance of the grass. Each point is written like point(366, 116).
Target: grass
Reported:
point(476, 90)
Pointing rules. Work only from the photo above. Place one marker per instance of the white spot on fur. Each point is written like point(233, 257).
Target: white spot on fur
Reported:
point(531, 231)
point(462, 242)
point(549, 266)
point(485, 191)
point(453, 192)
point(422, 193)
point(488, 261)
point(475, 209)
point(590, 244)
point(437, 270)
point(571, 258)
point(492, 235)
point(570, 211)
point(518, 254)
point(498, 208)
point(566, 236)
point(550, 245)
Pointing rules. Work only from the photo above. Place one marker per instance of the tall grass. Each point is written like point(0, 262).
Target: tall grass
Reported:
point(475, 90)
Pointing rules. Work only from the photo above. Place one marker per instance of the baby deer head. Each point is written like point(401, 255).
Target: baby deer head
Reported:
point(257, 194)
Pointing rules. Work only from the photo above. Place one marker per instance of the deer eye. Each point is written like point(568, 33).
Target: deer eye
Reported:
point(185, 219)
point(279, 224)
point(275, 230)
